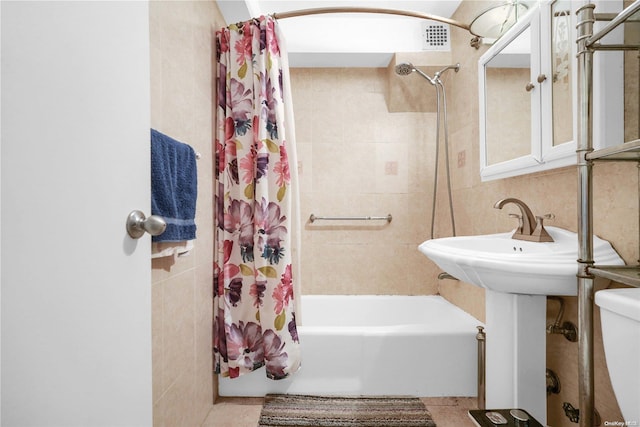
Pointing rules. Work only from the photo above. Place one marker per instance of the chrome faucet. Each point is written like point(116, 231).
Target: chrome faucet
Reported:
point(530, 227)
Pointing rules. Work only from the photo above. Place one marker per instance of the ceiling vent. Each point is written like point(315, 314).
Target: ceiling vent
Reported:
point(435, 36)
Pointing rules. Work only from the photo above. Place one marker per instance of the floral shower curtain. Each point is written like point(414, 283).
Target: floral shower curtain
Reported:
point(254, 313)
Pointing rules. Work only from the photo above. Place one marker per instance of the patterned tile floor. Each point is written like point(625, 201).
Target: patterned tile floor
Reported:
point(245, 412)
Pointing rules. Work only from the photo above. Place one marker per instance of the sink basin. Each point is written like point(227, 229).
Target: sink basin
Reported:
point(500, 263)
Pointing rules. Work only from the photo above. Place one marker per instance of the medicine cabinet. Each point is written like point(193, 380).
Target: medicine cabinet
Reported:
point(528, 97)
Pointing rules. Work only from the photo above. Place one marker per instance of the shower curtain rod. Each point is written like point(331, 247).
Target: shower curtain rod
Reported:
point(323, 10)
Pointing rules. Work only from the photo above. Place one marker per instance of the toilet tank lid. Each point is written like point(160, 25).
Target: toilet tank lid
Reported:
point(625, 302)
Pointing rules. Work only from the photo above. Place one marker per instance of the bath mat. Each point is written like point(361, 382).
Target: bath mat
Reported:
point(281, 410)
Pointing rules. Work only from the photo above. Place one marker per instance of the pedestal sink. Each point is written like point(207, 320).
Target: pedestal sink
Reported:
point(517, 276)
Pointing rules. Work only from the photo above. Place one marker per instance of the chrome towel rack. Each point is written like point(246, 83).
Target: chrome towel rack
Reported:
point(313, 218)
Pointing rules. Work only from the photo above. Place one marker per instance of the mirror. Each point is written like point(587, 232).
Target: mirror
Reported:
point(510, 99)
point(507, 101)
point(561, 75)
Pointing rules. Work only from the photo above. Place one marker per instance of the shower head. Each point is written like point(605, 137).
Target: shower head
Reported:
point(406, 68)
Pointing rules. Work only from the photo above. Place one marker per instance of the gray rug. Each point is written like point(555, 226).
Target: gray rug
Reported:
point(281, 410)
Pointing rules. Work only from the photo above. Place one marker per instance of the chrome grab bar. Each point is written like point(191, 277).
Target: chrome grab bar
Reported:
point(313, 218)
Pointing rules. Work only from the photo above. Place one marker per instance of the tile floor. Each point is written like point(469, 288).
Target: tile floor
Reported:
point(245, 412)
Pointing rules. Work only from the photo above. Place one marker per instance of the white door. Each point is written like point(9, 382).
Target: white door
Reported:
point(76, 300)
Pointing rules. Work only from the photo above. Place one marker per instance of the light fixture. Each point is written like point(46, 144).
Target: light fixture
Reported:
point(495, 21)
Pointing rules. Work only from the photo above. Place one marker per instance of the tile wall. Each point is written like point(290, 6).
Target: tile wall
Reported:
point(182, 54)
point(355, 158)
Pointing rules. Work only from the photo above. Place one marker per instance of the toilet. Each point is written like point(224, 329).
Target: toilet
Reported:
point(620, 319)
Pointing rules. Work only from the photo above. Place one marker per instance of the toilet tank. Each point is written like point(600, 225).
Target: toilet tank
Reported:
point(620, 319)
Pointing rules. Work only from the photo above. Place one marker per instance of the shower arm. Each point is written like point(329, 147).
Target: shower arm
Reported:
point(455, 67)
point(324, 10)
point(433, 80)
point(407, 68)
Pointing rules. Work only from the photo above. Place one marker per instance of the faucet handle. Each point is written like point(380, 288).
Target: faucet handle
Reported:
point(541, 218)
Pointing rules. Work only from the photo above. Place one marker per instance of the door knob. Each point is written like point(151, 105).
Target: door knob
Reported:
point(138, 223)
point(529, 87)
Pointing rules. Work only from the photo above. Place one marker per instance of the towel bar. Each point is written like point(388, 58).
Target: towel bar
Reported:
point(313, 218)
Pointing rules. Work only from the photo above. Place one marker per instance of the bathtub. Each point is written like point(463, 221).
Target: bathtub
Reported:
point(376, 345)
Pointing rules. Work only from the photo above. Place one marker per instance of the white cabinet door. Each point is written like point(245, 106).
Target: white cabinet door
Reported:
point(76, 299)
point(542, 45)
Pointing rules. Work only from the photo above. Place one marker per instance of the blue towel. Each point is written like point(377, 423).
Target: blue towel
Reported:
point(174, 187)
